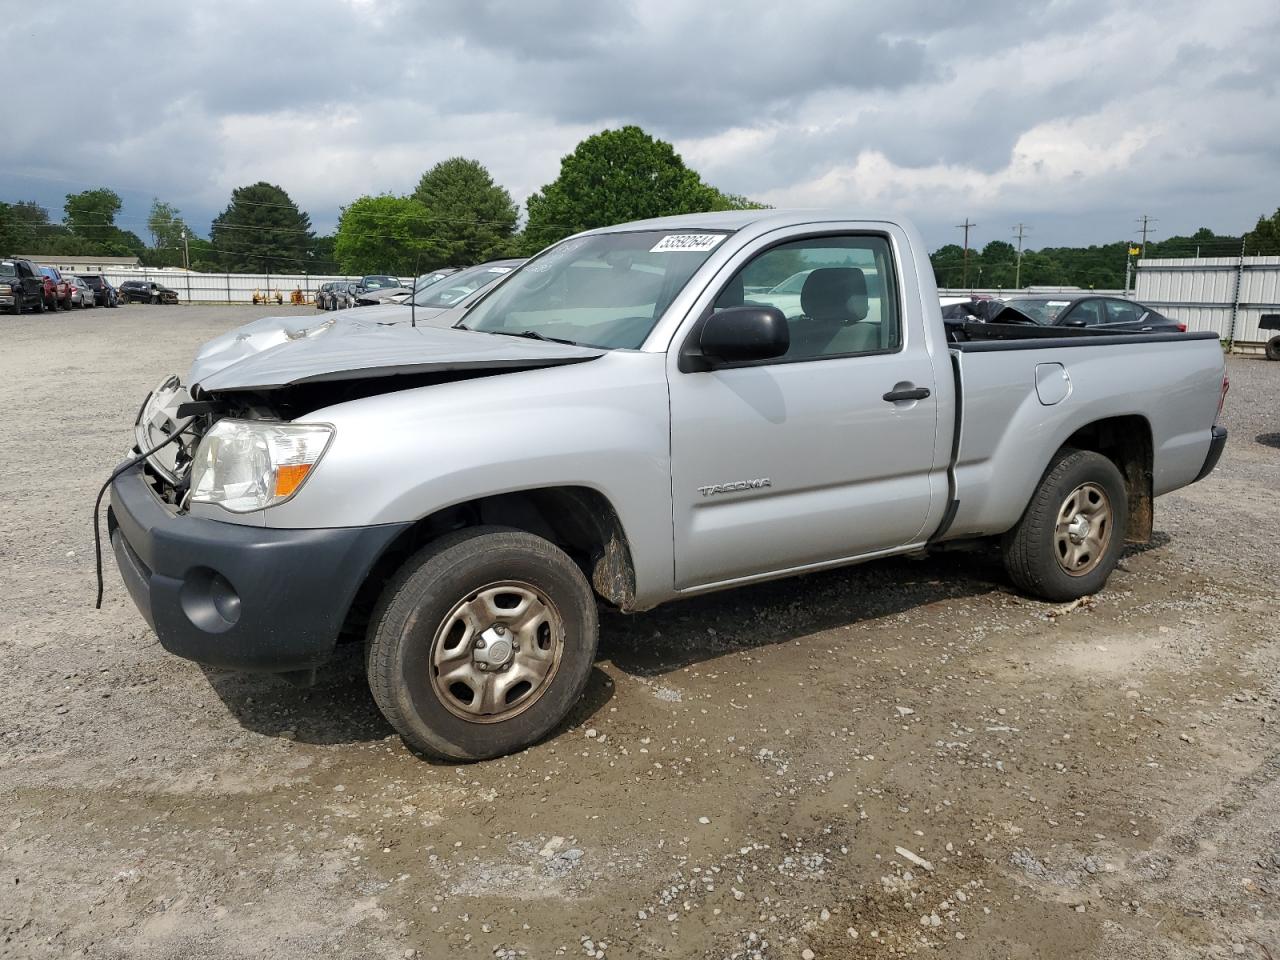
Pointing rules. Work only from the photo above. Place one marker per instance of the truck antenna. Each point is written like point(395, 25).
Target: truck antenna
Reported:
point(413, 292)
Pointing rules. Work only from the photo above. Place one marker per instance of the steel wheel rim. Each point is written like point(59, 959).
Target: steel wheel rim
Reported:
point(470, 675)
point(1083, 530)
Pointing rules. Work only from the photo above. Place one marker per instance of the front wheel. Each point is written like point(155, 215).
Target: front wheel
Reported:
point(1273, 348)
point(1070, 536)
point(482, 643)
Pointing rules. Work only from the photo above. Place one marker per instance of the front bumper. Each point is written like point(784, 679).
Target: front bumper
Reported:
point(240, 597)
point(1217, 443)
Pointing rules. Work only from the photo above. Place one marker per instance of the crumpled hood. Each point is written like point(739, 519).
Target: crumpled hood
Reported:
point(357, 348)
point(269, 332)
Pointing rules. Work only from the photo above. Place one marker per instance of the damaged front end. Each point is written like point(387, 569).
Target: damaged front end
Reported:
point(169, 428)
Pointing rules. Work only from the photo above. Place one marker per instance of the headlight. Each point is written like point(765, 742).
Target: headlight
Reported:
point(5, 288)
point(246, 465)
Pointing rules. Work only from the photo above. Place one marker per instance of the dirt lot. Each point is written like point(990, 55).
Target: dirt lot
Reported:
point(758, 774)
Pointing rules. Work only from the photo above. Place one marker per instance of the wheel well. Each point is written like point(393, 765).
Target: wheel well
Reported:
point(1126, 442)
point(579, 520)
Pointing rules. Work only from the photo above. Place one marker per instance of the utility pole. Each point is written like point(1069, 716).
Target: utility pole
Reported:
point(186, 252)
point(966, 227)
point(1144, 222)
point(1019, 232)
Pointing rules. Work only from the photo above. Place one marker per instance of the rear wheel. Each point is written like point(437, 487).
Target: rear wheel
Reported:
point(1273, 348)
point(1070, 537)
point(482, 643)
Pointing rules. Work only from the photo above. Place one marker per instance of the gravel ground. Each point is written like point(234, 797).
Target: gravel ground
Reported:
point(901, 758)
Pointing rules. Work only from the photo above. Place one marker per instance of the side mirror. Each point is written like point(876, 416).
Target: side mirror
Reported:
point(1075, 322)
point(736, 335)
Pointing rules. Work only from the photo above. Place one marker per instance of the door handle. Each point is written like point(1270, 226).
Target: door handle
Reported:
point(906, 393)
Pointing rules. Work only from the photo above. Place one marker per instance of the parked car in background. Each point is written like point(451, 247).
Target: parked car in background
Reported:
point(104, 294)
point(22, 285)
point(57, 291)
point(146, 291)
point(966, 309)
point(81, 295)
point(322, 294)
point(344, 295)
point(377, 281)
point(1271, 322)
point(456, 287)
point(1098, 313)
point(383, 295)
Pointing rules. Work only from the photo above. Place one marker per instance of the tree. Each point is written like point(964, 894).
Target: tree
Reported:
point(1264, 239)
point(733, 201)
point(388, 234)
point(262, 229)
point(166, 225)
point(92, 214)
point(615, 176)
point(471, 216)
point(23, 227)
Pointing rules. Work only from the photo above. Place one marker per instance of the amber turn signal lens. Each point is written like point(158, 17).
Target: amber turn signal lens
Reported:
point(289, 478)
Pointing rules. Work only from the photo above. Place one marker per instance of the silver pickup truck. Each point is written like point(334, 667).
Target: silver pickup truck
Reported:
point(638, 414)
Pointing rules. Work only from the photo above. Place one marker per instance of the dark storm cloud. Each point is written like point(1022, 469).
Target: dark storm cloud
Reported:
point(989, 108)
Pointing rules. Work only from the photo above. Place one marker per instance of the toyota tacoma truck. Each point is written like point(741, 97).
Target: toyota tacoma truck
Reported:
point(631, 417)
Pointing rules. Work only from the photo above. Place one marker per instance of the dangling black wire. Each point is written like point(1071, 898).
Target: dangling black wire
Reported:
point(97, 504)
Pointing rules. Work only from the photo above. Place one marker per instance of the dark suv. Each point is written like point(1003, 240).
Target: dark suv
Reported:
point(146, 291)
point(21, 285)
point(104, 294)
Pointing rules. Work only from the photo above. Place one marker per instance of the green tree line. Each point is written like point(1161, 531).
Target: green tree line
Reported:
point(457, 215)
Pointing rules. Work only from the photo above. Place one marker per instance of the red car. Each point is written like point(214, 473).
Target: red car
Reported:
point(57, 291)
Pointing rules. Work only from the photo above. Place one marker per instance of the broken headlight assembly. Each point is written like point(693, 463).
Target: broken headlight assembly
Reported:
point(247, 465)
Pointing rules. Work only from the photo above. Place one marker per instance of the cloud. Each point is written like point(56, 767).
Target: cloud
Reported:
point(1075, 115)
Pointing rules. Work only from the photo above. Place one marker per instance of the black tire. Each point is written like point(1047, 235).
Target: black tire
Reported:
point(1031, 549)
point(417, 603)
point(1273, 348)
point(40, 305)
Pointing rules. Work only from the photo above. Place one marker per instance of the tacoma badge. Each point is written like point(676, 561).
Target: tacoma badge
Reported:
point(714, 488)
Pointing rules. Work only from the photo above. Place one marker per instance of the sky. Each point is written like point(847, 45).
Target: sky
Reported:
point(1073, 117)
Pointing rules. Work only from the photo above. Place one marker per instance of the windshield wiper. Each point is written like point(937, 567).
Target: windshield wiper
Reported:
point(534, 335)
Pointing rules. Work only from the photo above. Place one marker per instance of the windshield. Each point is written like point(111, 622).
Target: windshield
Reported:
point(457, 286)
point(376, 283)
point(1041, 311)
point(606, 290)
point(7, 269)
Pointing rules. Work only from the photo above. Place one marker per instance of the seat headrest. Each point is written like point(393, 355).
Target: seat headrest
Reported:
point(733, 295)
point(835, 294)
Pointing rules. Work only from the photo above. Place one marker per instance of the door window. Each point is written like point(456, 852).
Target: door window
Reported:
point(1122, 311)
point(1087, 313)
point(837, 293)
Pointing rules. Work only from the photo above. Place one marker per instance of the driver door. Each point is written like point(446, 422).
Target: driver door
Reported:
point(802, 460)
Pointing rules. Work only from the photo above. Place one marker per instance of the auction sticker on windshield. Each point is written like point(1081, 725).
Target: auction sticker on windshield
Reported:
point(687, 243)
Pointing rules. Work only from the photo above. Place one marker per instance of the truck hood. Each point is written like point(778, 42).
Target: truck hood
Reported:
point(270, 332)
point(294, 350)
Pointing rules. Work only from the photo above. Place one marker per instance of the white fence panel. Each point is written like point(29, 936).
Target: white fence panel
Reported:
point(229, 287)
point(1227, 295)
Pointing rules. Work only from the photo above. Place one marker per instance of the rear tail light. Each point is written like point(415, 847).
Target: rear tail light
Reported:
point(1222, 397)
point(1182, 328)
